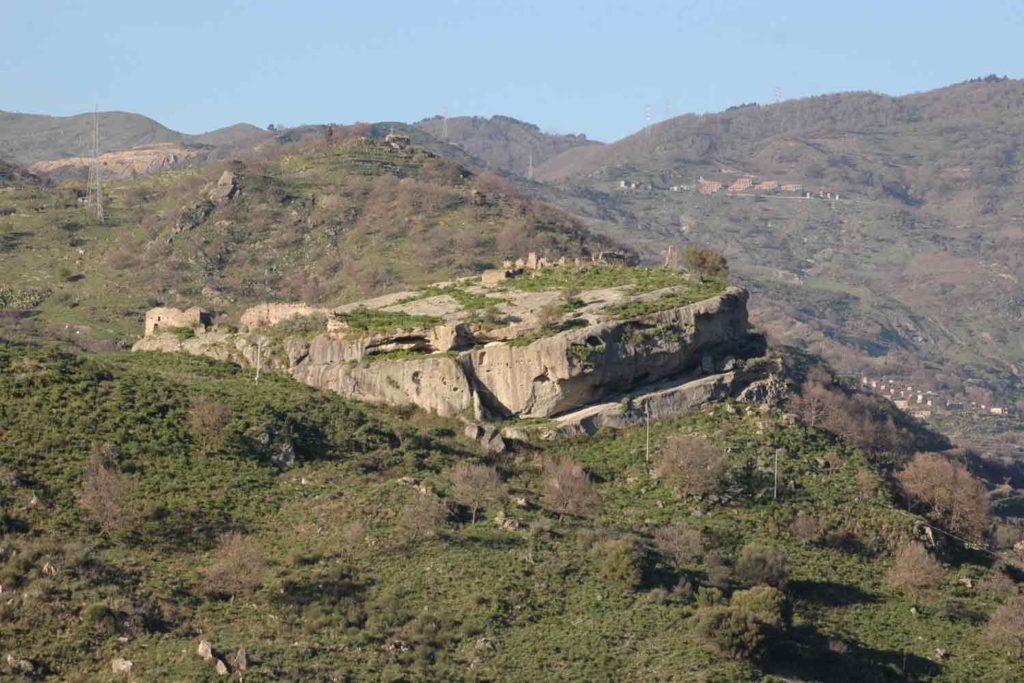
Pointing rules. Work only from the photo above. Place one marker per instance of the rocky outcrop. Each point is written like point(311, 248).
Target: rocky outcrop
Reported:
point(445, 369)
point(577, 367)
point(746, 380)
point(142, 160)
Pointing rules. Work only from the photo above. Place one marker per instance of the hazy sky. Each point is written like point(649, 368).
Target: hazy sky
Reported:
point(589, 66)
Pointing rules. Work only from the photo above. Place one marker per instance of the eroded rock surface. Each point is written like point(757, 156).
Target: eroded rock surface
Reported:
point(438, 352)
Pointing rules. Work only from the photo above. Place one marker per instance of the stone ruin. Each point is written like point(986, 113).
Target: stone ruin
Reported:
point(166, 319)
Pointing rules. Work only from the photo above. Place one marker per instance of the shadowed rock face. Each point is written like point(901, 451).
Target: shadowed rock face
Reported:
point(552, 375)
point(577, 367)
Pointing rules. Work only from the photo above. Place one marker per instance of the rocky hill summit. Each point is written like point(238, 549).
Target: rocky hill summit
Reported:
point(569, 346)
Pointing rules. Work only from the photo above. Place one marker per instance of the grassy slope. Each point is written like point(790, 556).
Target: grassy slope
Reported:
point(327, 226)
point(475, 603)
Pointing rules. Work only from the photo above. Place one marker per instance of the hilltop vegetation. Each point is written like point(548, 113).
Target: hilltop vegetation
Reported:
point(333, 541)
point(345, 219)
point(502, 142)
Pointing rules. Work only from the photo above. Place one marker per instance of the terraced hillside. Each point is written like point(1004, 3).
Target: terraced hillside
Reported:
point(164, 515)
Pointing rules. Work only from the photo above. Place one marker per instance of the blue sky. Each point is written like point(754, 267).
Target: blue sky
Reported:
point(569, 66)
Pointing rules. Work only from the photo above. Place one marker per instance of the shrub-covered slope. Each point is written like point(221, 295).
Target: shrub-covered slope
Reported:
point(351, 218)
point(352, 553)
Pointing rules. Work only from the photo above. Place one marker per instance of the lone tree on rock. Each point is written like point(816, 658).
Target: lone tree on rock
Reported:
point(704, 262)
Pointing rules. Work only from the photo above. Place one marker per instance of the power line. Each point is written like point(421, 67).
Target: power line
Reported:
point(94, 196)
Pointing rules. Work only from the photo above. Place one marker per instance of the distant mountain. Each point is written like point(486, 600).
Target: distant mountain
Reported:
point(30, 138)
point(913, 268)
point(502, 142)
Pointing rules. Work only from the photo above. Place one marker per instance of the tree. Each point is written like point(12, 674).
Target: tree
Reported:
point(421, 517)
point(915, 572)
point(566, 488)
point(208, 420)
point(111, 499)
point(475, 485)
point(1006, 625)
point(679, 541)
point(691, 465)
point(238, 565)
point(948, 494)
point(704, 261)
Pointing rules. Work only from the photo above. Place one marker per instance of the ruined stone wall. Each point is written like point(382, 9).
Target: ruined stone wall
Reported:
point(264, 315)
point(164, 318)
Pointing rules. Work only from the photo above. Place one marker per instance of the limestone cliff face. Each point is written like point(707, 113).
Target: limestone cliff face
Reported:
point(552, 375)
point(576, 367)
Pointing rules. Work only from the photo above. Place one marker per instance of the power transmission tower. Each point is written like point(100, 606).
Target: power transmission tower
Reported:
point(94, 196)
point(529, 171)
point(444, 125)
point(777, 94)
point(648, 115)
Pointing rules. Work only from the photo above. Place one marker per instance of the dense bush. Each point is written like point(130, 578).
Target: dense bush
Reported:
point(947, 493)
point(742, 629)
point(111, 500)
point(761, 564)
point(1006, 626)
point(565, 487)
point(620, 560)
point(691, 465)
point(915, 572)
point(704, 261)
point(238, 565)
point(680, 542)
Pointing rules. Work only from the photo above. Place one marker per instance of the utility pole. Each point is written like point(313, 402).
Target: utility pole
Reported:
point(444, 125)
point(94, 196)
point(529, 171)
point(647, 416)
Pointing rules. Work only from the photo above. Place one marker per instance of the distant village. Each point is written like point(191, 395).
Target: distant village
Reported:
point(920, 404)
point(745, 185)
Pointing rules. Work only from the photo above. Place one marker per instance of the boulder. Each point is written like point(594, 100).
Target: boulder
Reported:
point(220, 667)
point(122, 666)
point(205, 649)
point(225, 189)
point(20, 665)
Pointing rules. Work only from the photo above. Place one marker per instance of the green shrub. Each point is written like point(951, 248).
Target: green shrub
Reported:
point(183, 333)
point(100, 619)
point(620, 560)
point(761, 564)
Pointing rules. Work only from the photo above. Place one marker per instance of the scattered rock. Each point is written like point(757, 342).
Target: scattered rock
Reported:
point(941, 653)
point(521, 502)
point(240, 660)
point(506, 523)
point(966, 582)
point(220, 666)
point(205, 650)
point(191, 217)
point(225, 189)
point(20, 665)
point(122, 666)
